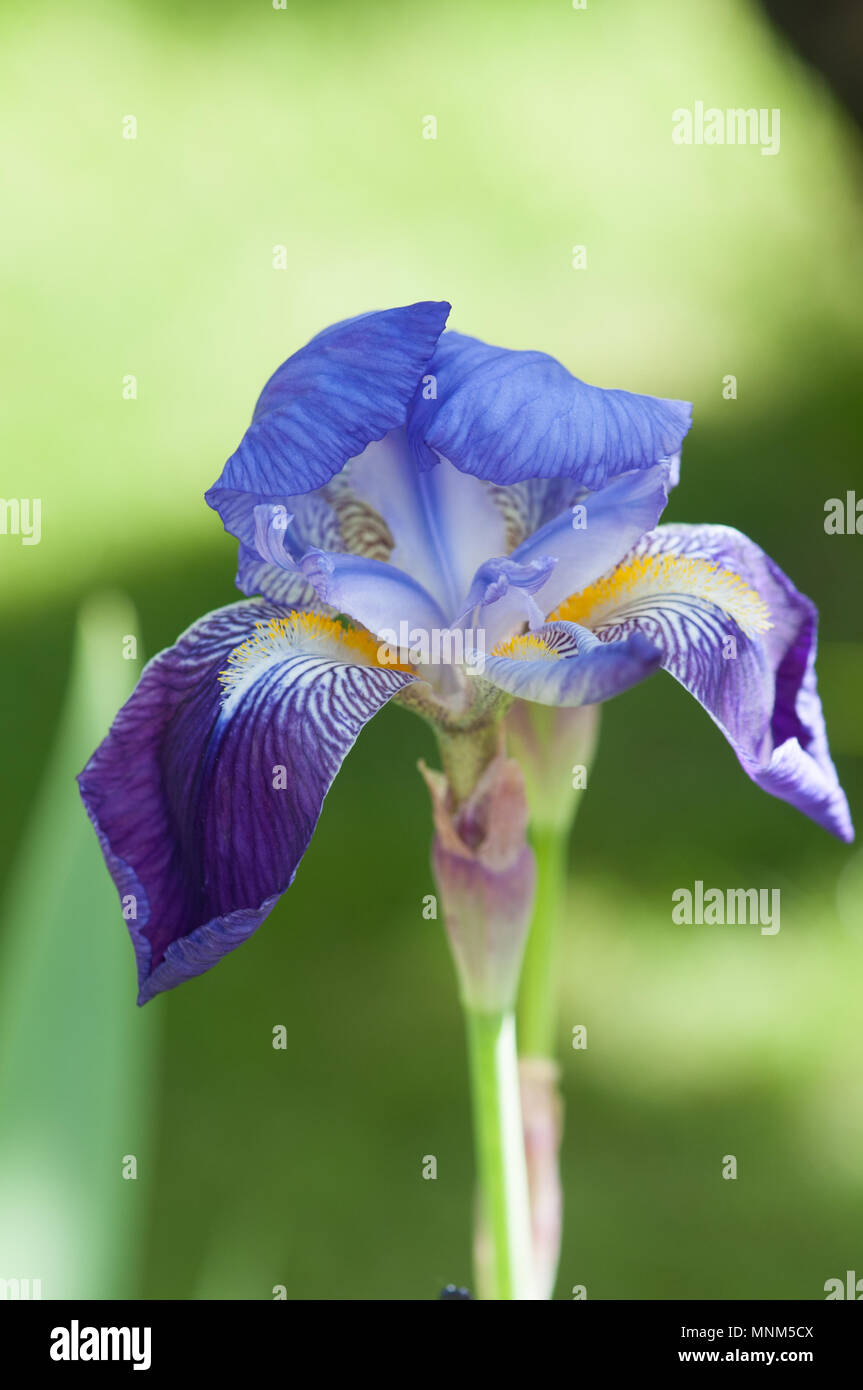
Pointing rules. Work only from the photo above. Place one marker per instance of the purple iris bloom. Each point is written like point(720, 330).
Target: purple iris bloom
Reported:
point(424, 517)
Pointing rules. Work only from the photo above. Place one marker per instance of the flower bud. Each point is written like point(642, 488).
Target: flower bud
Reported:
point(486, 876)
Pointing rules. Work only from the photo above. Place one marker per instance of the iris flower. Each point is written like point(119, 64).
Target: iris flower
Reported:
point(426, 518)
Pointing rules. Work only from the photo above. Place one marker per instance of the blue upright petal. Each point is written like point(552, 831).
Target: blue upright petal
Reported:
point(348, 386)
point(507, 416)
point(205, 793)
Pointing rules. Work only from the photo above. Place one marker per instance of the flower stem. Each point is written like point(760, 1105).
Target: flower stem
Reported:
point(537, 1012)
point(500, 1153)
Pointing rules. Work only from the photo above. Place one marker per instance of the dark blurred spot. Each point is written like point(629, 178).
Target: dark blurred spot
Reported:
point(829, 36)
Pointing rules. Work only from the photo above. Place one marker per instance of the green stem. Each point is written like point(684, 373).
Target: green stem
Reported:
point(537, 1013)
point(500, 1153)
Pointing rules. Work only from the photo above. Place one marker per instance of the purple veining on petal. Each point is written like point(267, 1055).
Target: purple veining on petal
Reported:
point(764, 696)
point(204, 806)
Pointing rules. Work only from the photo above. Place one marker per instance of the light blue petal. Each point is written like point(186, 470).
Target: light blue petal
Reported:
point(444, 523)
point(375, 594)
point(608, 523)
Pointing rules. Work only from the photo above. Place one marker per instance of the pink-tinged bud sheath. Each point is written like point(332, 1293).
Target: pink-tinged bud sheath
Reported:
point(486, 876)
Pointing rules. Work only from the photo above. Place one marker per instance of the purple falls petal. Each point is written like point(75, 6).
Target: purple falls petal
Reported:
point(759, 687)
point(186, 794)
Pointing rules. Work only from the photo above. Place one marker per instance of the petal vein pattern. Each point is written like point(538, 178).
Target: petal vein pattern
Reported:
point(205, 795)
point(737, 634)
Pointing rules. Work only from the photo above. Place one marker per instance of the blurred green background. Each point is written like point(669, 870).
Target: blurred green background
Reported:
point(302, 128)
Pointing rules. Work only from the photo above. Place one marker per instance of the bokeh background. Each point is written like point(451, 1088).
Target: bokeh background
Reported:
point(302, 128)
